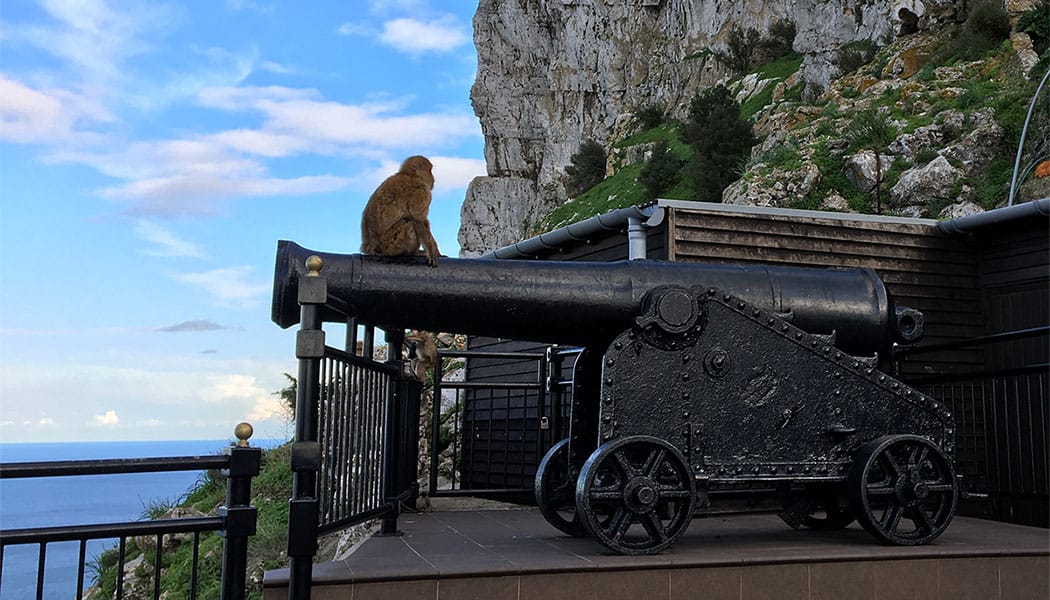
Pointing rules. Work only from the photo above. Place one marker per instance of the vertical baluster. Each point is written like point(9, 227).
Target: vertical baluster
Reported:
point(196, 563)
point(41, 560)
point(82, 558)
point(156, 566)
point(120, 567)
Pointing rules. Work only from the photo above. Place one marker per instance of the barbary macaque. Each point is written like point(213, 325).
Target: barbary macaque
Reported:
point(423, 353)
point(395, 220)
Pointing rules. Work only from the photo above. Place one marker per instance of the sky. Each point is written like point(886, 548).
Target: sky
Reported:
point(152, 154)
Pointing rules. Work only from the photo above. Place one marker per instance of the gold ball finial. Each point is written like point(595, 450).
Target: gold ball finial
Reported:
point(243, 431)
point(314, 264)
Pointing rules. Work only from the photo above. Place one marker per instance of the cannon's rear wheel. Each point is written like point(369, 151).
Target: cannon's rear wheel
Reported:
point(636, 495)
point(902, 489)
point(556, 492)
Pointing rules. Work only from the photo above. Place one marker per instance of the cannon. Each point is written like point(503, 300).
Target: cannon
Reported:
point(691, 376)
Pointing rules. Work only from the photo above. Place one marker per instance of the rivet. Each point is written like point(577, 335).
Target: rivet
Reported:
point(685, 415)
point(609, 362)
point(618, 345)
point(685, 376)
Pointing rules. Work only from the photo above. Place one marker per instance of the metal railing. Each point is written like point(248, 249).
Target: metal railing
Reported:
point(1002, 434)
point(521, 418)
point(356, 428)
point(235, 521)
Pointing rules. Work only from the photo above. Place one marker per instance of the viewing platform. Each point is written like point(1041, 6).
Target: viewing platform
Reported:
point(515, 554)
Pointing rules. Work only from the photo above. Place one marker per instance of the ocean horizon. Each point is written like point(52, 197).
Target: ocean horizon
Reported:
point(85, 499)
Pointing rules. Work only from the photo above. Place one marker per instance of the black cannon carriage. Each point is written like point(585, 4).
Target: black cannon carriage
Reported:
point(691, 376)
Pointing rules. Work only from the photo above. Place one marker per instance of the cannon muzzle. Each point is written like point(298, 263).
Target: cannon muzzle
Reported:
point(582, 303)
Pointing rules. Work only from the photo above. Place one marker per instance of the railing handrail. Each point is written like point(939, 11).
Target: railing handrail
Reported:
point(112, 466)
point(71, 533)
point(984, 340)
point(236, 519)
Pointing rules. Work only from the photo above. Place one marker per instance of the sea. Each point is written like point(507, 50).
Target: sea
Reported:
point(85, 499)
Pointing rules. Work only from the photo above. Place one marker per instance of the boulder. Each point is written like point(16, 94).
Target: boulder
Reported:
point(864, 171)
point(925, 185)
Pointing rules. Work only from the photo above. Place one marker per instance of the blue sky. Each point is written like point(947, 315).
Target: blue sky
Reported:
point(152, 154)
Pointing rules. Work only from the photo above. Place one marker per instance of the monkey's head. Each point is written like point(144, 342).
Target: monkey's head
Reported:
point(420, 167)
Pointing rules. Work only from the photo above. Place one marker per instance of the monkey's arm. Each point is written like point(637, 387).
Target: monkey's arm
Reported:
point(430, 247)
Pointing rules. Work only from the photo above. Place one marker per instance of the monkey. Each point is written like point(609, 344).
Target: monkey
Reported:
point(423, 353)
point(395, 221)
point(909, 21)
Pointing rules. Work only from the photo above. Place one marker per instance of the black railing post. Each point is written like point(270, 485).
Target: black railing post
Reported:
point(240, 515)
point(306, 452)
point(435, 422)
point(391, 436)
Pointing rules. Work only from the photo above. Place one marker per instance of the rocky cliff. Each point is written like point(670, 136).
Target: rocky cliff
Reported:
point(552, 73)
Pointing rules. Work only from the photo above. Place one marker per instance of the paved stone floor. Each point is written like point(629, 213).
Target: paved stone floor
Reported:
point(515, 549)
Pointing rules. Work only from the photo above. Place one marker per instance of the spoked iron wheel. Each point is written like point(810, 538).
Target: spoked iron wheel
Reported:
point(636, 495)
point(556, 493)
point(902, 489)
point(823, 507)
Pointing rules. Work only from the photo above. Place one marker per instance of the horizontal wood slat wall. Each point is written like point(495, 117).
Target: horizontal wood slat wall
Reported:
point(922, 267)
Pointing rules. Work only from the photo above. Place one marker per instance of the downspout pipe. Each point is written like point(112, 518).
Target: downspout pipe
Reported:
point(967, 224)
point(646, 216)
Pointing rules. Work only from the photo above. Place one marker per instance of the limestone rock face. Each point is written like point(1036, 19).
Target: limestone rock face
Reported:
point(554, 73)
point(926, 185)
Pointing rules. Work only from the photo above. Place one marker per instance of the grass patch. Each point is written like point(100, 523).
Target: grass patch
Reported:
point(619, 191)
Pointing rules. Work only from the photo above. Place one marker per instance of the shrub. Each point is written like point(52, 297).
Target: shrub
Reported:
point(986, 26)
point(855, 55)
point(587, 169)
point(649, 117)
point(721, 140)
point(746, 48)
point(741, 47)
point(660, 172)
point(781, 38)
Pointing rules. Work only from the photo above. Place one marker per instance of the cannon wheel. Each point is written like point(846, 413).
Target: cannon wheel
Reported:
point(825, 506)
point(636, 495)
point(902, 489)
point(555, 491)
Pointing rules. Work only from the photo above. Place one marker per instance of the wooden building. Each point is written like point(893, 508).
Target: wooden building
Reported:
point(981, 283)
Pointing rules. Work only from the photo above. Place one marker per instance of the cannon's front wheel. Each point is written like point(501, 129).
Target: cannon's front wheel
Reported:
point(555, 491)
point(902, 489)
point(636, 495)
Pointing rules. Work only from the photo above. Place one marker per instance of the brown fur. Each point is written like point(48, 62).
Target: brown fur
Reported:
point(424, 353)
point(395, 220)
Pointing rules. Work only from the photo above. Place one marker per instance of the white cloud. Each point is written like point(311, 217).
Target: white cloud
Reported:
point(352, 28)
point(230, 286)
point(165, 243)
point(94, 37)
point(29, 115)
point(451, 173)
point(109, 419)
point(415, 37)
point(190, 397)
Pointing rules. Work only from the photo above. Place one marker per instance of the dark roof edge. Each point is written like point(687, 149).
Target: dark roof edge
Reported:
point(581, 231)
point(967, 224)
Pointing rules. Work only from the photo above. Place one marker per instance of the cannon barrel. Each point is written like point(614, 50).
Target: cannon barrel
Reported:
point(581, 303)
